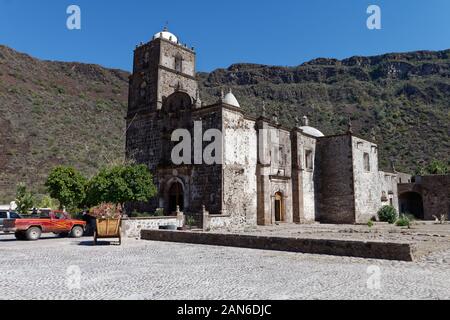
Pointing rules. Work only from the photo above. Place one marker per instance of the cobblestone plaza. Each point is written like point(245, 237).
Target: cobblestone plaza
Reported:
point(156, 270)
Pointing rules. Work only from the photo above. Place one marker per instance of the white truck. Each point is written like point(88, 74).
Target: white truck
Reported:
point(7, 214)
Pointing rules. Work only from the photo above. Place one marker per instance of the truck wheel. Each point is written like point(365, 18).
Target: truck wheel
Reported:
point(77, 232)
point(33, 234)
point(20, 235)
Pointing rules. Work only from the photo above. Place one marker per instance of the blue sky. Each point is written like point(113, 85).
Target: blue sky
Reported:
point(282, 32)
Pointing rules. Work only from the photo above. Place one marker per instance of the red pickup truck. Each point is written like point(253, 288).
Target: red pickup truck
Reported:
point(55, 222)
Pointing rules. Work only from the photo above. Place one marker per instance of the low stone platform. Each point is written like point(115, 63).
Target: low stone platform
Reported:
point(338, 247)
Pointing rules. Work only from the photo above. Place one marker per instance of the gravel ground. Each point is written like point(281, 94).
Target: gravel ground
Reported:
point(50, 269)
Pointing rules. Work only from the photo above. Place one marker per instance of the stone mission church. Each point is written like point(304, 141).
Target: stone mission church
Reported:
point(269, 173)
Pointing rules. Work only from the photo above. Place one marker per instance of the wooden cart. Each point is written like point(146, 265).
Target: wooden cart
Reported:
point(107, 228)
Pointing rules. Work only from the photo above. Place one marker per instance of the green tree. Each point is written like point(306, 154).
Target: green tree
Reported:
point(24, 199)
point(68, 186)
point(437, 167)
point(48, 202)
point(434, 167)
point(120, 184)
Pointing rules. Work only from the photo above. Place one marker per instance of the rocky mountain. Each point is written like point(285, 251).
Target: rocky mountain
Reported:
point(70, 113)
point(56, 113)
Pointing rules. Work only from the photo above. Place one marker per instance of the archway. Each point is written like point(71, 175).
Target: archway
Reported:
point(176, 197)
point(177, 101)
point(412, 203)
point(279, 207)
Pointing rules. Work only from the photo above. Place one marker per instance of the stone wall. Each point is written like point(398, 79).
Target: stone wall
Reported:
point(274, 172)
point(170, 79)
point(436, 196)
point(143, 140)
point(307, 177)
point(403, 177)
point(367, 186)
point(334, 182)
point(132, 227)
point(221, 222)
point(238, 169)
point(389, 189)
point(143, 82)
point(363, 249)
point(169, 51)
point(434, 192)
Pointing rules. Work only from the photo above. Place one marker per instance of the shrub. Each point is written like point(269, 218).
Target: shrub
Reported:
point(387, 214)
point(403, 221)
point(190, 221)
point(159, 212)
point(410, 216)
point(370, 224)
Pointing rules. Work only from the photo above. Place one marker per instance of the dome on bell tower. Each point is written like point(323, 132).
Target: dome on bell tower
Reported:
point(165, 34)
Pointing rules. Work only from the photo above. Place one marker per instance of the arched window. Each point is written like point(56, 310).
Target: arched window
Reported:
point(178, 63)
point(279, 207)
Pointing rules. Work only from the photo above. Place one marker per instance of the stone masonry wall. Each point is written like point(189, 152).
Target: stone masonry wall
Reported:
point(307, 177)
point(169, 78)
point(389, 189)
point(239, 165)
point(131, 228)
point(334, 180)
point(274, 172)
point(436, 196)
point(367, 187)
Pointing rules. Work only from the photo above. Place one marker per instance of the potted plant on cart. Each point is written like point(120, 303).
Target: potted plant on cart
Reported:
point(113, 187)
point(108, 220)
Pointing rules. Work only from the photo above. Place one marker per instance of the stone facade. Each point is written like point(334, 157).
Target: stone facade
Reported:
point(426, 197)
point(335, 182)
point(267, 173)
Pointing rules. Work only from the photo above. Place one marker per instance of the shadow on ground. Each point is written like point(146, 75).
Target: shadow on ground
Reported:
point(99, 243)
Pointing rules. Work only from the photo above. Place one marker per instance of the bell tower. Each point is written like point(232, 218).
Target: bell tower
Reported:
point(161, 67)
